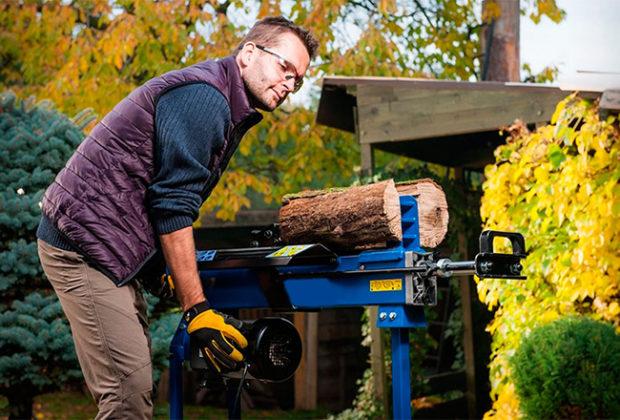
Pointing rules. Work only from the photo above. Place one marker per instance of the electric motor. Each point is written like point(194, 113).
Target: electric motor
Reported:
point(273, 353)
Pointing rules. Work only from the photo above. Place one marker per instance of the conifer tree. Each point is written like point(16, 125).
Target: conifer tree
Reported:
point(36, 349)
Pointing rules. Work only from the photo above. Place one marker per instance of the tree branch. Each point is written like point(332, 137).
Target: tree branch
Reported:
point(423, 10)
point(362, 5)
point(156, 36)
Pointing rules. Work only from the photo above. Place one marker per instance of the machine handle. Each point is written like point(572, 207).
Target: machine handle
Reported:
point(489, 264)
point(516, 240)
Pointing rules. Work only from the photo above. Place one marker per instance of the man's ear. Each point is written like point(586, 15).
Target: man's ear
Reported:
point(246, 55)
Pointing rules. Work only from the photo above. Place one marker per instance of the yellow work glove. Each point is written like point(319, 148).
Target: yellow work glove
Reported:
point(218, 337)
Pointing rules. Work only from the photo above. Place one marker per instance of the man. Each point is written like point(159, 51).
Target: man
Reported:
point(134, 188)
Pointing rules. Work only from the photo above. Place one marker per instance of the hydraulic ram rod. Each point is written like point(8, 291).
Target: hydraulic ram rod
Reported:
point(485, 266)
point(456, 267)
point(445, 265)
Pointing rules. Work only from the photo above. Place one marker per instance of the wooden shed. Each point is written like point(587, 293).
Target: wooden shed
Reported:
point(451, 123)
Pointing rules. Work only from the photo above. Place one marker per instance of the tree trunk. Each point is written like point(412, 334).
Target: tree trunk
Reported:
point(362, 217)
point(20, 406)
point(499, 41)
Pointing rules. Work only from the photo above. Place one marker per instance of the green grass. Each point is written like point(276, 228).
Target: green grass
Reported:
point(75, 405)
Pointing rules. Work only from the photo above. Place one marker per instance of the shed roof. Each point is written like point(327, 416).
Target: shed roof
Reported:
point(448, 122)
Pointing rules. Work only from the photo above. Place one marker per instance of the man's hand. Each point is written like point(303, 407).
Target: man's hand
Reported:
point(217, 335)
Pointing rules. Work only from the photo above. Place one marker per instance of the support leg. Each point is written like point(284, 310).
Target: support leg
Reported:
point(401, 377)
point(177, 355)
point(234, 407)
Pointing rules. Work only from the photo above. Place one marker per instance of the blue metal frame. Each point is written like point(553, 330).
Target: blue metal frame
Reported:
point(401, 376)
point(179, 351)
point(240, 288)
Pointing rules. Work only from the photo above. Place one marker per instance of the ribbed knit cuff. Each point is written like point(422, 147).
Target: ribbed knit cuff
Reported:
point(170, 224)
point(47, 232)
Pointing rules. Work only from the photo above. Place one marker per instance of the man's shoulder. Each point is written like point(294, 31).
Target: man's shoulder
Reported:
point(196, 92)
point(196, 89)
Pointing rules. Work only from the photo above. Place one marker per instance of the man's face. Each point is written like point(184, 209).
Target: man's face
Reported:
point(271, 73)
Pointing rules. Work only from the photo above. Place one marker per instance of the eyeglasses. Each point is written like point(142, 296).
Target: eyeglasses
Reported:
point(299, 80)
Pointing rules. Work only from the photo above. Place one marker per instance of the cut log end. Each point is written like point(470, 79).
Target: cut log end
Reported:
point(432, 209)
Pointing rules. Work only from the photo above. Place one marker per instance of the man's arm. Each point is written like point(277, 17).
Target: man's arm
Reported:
point(190, 124)
point(218, 335)
point(180, 254)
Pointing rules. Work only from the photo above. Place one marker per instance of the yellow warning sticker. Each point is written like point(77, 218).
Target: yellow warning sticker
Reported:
point(289, 251)
point(387, 285)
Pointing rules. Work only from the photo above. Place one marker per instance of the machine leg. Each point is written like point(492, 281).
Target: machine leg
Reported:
point(175, 389)
point(175, 384)
point(234, 407)
point(401, 376)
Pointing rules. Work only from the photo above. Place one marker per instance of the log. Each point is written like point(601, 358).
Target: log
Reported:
point(349, 219)
point(364, 217)
point(432, 209)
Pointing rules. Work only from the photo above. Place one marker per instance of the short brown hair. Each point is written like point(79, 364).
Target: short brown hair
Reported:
point(266, 31)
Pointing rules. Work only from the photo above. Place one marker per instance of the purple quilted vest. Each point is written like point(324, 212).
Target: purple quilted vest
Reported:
point(98, 201)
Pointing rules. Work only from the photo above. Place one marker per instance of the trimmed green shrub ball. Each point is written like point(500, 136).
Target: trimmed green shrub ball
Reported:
point(569, 369)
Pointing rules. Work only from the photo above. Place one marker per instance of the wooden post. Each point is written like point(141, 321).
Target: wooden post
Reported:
point(306, 375)
point(367, 157)
point(377, 361)
point(468, 330)
point(377, 364)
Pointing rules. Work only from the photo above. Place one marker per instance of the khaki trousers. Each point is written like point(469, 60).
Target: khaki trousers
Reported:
point(110, 332)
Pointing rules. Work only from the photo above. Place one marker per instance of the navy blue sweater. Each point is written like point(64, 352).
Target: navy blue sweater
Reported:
point(190, 122)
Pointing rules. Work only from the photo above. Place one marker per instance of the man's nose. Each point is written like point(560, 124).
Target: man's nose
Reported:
point(289, 83)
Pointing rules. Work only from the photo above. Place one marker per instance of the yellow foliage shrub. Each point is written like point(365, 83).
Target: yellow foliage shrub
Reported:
point(558, 186)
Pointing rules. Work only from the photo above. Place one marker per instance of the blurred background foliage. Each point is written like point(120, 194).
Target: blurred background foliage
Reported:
point(92, 53)
point(36, 350)
point(558, 186)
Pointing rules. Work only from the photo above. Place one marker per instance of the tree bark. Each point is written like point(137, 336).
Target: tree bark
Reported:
point(349, 219)
point(500, 41)
point(364, 217)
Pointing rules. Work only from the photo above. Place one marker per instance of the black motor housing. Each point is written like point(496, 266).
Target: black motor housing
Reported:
point(273, 353)
point(274, 349)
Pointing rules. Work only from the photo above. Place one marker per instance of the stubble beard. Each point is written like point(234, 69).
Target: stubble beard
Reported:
point(259, 98)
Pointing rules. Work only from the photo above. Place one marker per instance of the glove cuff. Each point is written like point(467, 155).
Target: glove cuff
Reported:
point(198, 308)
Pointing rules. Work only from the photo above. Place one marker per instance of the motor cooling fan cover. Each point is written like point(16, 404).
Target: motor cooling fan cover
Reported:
point(274, 349)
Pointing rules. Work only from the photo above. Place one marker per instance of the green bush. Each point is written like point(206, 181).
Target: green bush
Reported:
point(569, 369)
